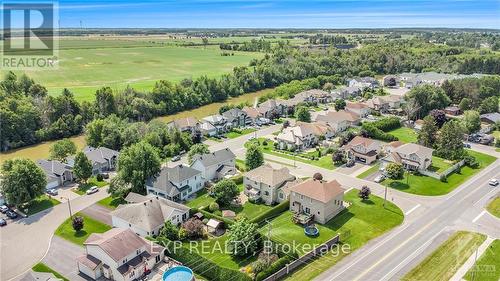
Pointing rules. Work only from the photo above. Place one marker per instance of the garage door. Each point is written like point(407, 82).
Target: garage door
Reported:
point(52, 184)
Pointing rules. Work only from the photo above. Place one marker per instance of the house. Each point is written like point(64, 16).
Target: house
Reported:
point(358, 108)
point(215, 165)
point(301, 136)
point(347, 92)
point(390, 81)
point(263, 183)
point(385, 103)
point(57, 172)
point(390, 147)
point(253, 115)
point(490, 118)
point(220, 123)
point(102, 158)
point(314, 96)
point(176, 183)
point(118, 254)
point(363, 82)
point(453, 110)
point(272, 109)
point(316, 200)
point(188, 124)
point(236, 117)
point(214, 226)
point(339, 120)
point(412, 156)
point(208, 129)
point(362, 149)
point(147, 217)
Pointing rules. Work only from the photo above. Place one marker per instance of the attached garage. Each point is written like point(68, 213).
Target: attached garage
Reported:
point(52, 183)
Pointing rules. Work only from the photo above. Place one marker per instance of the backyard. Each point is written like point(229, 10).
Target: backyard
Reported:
point(442, 264)
point(404, 134)
point(424, 185)
point(487, 267)
point(66, 231)
point(361, 222)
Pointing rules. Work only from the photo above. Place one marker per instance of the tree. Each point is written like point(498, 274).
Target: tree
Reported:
point(118, 188)
point(328, 87)
point(137, 163)
point(339, 104)
point(198, 148)
point(465, 104)
point(471, 121)
point(489, 105)
point(169, 231)
point(450, 141)
point(244, 238)
point(394, 171)
point(364, 193)
point(427, 135)
point(318, 176)
point(225, 191)
point(77, 223)
point(254, 157)
point(21, 181)
point(193, 228)
point(338, 157)
point(303, 114)
point(411, 108)
point(427, 98)
point(439, 117)
point(61, 149)
point(286, 124)
point(104, 102)
point(82, 167)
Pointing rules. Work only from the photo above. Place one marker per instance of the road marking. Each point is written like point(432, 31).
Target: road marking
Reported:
point(412, 209)
point(417, 252)
point(479, 216)
point(395, 249)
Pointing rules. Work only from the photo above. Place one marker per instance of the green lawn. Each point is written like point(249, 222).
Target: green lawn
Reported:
point(370, 171)
point(487, 267)
point(235, 134)
point(82, 188)
point(439, 165)
point(39, 204)
point(41, 267)
point(494, 207)
point(324, 161)
point(404, 134)
point(442, 264)
point(202, 199)
point(66, 231)
point(361, 222)
point(111, 202)
point(423, 185)
point(84, 70)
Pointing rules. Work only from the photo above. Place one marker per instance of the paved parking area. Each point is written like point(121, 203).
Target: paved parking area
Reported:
point(351, 170)
point(62, 256)
point(98, 212)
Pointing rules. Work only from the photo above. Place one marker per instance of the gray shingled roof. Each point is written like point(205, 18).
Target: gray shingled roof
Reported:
point(53, 167)
point(168, 175)
point(100, 155)
point(215, 157)
point(233, 113)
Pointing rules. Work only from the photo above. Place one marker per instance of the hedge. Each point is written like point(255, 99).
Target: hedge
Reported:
point(371, 131)
point(202, 265)
point(277, 265)
point(209, 215)
point(387, 124)
point(280, 208)
point(238, 179)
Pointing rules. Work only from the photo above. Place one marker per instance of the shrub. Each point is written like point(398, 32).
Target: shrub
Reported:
point(471, 161)
point(77, 223)
point(387, 123)
point(395, 171)
point(238, 179)
point(264, 142)
point(99, 177)
point(193, 228)
point(364, 193)
point(213, 207)
point(275, 211)
point(371, 131)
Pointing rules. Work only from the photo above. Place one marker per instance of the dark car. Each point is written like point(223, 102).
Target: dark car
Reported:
point(3, 222)
point(11, 214)
point(349, 163)
point(467, 145)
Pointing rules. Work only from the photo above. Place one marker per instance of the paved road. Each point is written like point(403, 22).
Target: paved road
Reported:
point(25, 242)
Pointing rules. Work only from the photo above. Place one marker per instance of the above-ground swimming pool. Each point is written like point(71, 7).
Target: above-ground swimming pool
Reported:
point(178, 273)
point(311, 230)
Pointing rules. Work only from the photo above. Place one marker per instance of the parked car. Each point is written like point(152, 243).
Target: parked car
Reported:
point(176, 158)
point(105, 175)
point(349, 163)
point(4, 209)
point(493, 182)
point(92, 190)
point(52, 192)
point(11, 214)
point(379, 178)
point(3, 222)
point(467, 145)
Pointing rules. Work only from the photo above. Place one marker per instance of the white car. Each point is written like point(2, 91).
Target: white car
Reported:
point(379, 178)
point(92, 190)
point(493, 182)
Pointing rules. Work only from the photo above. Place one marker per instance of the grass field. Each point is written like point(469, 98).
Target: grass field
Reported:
point(494, 207)
point(111, 202)
point(66, 231)
point(423, 185)
point(41, 267)
point(82, 188)
point(361, 222)
point(442, 264)
point(487, 267)
point(88, 68)
point(370, 171)
point(41, 203)
point(404, 134)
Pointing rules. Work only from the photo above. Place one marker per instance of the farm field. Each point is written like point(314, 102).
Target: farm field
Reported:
point(139, 64)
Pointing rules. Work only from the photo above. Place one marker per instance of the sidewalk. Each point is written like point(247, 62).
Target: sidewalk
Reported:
point(470, 262)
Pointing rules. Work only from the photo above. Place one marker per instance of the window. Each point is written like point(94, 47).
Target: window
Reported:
point(266, 193)
point(308, 211)
point(281, 195)
point(319, 213)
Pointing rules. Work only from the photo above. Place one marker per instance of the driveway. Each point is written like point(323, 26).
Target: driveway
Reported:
point(62, 256)
point(352, 170)
point(98, 212)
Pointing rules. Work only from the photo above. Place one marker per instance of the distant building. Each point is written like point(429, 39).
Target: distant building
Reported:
point(314, 96)
point(358, 108)
point(176, 183)
point(453, 110)
point(188, 124)
point(303, 135)
point(363, 82)
point(490, 118)
point(391, 81)
point(102, 158)
point(219, 122)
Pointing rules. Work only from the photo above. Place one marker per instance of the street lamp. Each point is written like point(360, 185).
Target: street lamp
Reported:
point(69, 205)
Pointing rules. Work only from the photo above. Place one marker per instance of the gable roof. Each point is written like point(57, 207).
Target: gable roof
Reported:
point(493, 117)
point(268, 175)
point(187, 122)
point(338, 116)
point(53, 167)
point(412, 148)
point(359, 140)
point(356, 105)
point(252, 112)
point(149, 213)
point(319, 190)
point(214, 119)
point(100, 155)
point(117, 243)
point(233, 113)
point(214, 158)
point(164, 181)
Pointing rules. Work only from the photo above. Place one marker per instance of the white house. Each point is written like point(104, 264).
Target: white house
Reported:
point(215, 165)
point(363, 82)
point(176, 183)
point(118, 254)
point(358, 108)
point(412, 156)
point(147, 217)
point(264, 183)
point(362, 149)
point(218, 121)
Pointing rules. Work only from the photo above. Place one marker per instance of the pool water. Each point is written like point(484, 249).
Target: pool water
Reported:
point(178, 273)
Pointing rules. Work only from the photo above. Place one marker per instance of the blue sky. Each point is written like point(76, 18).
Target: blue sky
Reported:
point(281, 14)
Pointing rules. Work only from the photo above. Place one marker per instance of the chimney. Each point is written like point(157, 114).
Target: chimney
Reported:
point(144, 203)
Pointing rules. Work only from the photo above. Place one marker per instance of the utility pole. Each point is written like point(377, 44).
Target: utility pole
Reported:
point(268, 238)
point(69, 206)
